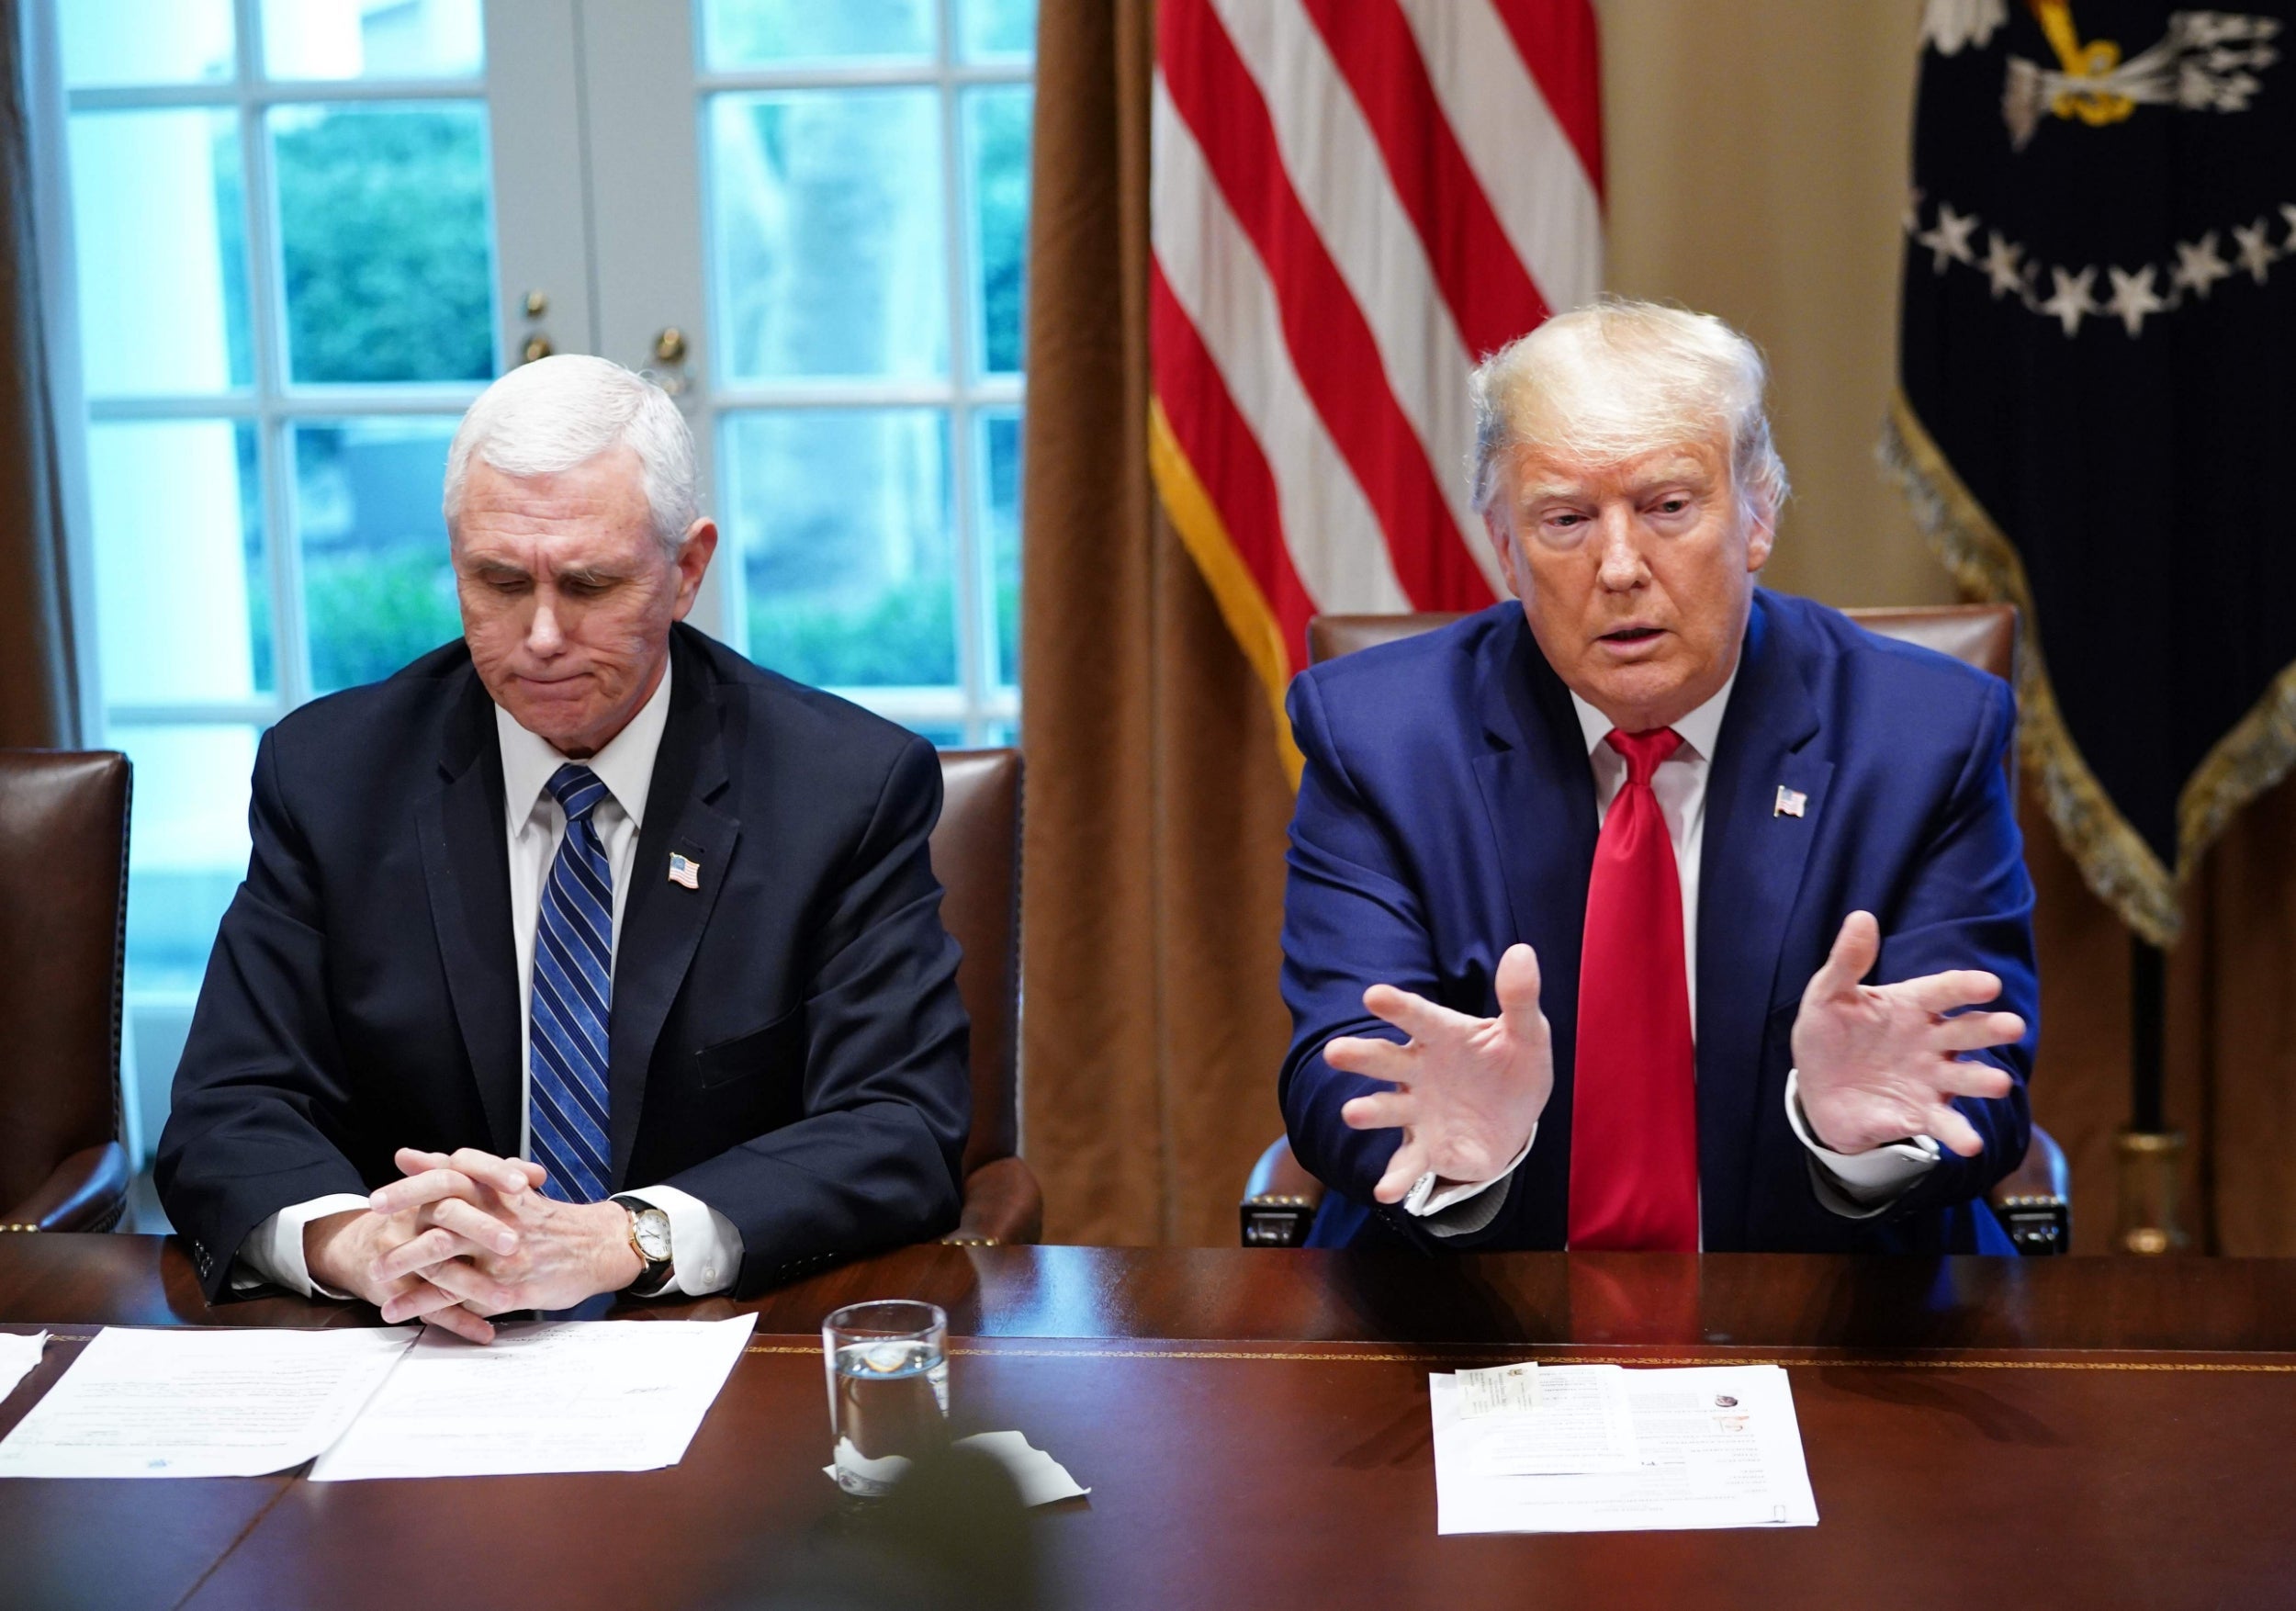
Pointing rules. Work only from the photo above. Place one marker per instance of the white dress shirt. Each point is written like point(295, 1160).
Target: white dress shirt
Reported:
point(1856, 1186)
point(705, 1247)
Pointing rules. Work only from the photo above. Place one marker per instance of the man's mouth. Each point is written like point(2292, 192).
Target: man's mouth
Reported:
point(1631, 635)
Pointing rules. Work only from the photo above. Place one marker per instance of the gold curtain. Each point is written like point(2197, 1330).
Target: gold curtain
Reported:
point(1156, 807)
point(38, 686)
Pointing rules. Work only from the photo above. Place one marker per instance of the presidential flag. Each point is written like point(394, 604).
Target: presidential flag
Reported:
point(1352, 202)
point(2097, 400)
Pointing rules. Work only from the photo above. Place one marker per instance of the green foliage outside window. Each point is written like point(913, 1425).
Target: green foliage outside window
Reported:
point(383, 236)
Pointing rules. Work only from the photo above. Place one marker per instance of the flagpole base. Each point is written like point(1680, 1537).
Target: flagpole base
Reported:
point(2151, 1222)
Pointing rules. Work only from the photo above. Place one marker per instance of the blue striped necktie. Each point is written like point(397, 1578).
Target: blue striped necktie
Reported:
point(573, 990)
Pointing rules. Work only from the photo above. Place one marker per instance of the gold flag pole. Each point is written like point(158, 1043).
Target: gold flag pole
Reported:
point(2150, 1153)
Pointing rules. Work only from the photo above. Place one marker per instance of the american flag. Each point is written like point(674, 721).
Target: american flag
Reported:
point(1352, 201)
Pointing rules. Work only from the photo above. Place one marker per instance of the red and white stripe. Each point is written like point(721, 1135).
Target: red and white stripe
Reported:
point(1352, 201)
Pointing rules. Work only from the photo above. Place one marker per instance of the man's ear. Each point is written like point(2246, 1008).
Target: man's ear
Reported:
point(693, 562)
point(1502, 544)
point(1762, 534)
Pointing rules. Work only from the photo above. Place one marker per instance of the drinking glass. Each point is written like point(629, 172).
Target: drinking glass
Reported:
point(888, 1370)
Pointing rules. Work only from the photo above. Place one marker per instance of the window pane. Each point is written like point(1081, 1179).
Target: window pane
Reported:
point(842, 521)
point(159, 228)
point(179, 570)
point(187, 846)
point(385, 241)
point(378, 588)
point(997, 31)
point(372, 38)
point(737, 34)
point(1000, 526)
point(828, 255)
point(997, 152)
point(145, 42)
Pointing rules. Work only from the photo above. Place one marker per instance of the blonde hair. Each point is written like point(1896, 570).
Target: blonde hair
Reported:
point(1619, 378)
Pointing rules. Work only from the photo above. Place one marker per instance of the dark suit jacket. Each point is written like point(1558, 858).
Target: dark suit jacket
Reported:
point(1448, 811)
point(786, 1043)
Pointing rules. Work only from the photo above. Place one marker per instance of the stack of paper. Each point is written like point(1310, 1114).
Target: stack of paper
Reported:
point(200, 1404)
point(565, 1396)
point(19, 1354)
point(1608, 1449)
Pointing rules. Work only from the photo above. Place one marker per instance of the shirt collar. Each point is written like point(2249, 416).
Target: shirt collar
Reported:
point(625, 765)
point(1699, 729)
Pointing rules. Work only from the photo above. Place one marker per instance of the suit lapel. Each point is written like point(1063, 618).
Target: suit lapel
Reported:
point(1539, 795)
point(1749, 872)
point(662, 922)
point(466, 874)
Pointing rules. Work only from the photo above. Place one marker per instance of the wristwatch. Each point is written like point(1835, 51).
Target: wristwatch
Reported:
point(650, 1239)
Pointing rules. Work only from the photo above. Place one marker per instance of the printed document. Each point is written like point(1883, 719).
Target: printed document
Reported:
point(1712, 1446)
point(19, 1354)
point(200, 1404)
point(548, 1396)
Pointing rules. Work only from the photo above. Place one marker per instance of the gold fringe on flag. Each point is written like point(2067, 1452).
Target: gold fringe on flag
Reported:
point(2114, 859)
point(1242, 603)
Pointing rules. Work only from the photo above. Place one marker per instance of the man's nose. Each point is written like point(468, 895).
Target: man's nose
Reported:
point(1621, 566)
point(543, 636)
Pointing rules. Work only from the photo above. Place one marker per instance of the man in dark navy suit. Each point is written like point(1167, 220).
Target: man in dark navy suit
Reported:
point(580, 956)
point(1649, 910)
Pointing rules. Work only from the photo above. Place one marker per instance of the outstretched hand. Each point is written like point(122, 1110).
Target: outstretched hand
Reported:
point(1880, 1063)
point(1469, 1090)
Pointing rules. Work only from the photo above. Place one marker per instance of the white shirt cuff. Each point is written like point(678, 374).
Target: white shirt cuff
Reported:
point(274, 1249)
point(704, 1245)
point(1858, 1185)
point(1426, 1203)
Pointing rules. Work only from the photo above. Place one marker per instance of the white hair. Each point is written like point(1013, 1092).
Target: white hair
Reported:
point(558, 413)
point(1619, 378)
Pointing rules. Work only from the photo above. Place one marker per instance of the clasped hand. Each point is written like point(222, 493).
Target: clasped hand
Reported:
point(1876, 1063)
point(468, 1235)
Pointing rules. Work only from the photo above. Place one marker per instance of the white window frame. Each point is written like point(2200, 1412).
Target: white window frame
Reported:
point(981, 709)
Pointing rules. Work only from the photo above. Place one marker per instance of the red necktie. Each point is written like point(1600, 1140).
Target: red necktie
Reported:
point(1634, 1106)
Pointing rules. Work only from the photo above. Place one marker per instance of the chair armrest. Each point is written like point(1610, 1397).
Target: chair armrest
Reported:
point(2034, 1201)
point(87, 1191)
point(1279, 1199)
point(1004, 1206)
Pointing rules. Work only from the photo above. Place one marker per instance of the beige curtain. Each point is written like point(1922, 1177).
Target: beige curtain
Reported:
point(39, 683)
point(1156, 807)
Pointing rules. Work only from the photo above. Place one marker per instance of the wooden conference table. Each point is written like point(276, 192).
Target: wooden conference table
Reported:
point(1254, 1427)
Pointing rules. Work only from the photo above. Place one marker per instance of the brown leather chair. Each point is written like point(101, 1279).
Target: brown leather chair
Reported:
point(2034, 1202)
point(976, 852)
point(63, 906)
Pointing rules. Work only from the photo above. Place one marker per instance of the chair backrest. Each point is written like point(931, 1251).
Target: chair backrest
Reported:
point(63, 903)
point(976, 854)
point(1983, 635)
point(1330, 636)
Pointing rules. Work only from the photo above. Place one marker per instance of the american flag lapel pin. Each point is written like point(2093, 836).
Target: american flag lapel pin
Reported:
point(1790, 804)
point(687, 869)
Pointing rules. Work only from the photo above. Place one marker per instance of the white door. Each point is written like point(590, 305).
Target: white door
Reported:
point(811, 218)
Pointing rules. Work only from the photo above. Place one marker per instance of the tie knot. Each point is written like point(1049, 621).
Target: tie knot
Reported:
point(1644, 751)
point(576, 788)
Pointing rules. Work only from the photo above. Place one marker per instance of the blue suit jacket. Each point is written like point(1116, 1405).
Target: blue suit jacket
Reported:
point(1448, 811)
point(787, 1040)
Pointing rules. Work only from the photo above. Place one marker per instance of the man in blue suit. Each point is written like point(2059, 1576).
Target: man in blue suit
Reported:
point(1650, 909)
point(580, 956)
